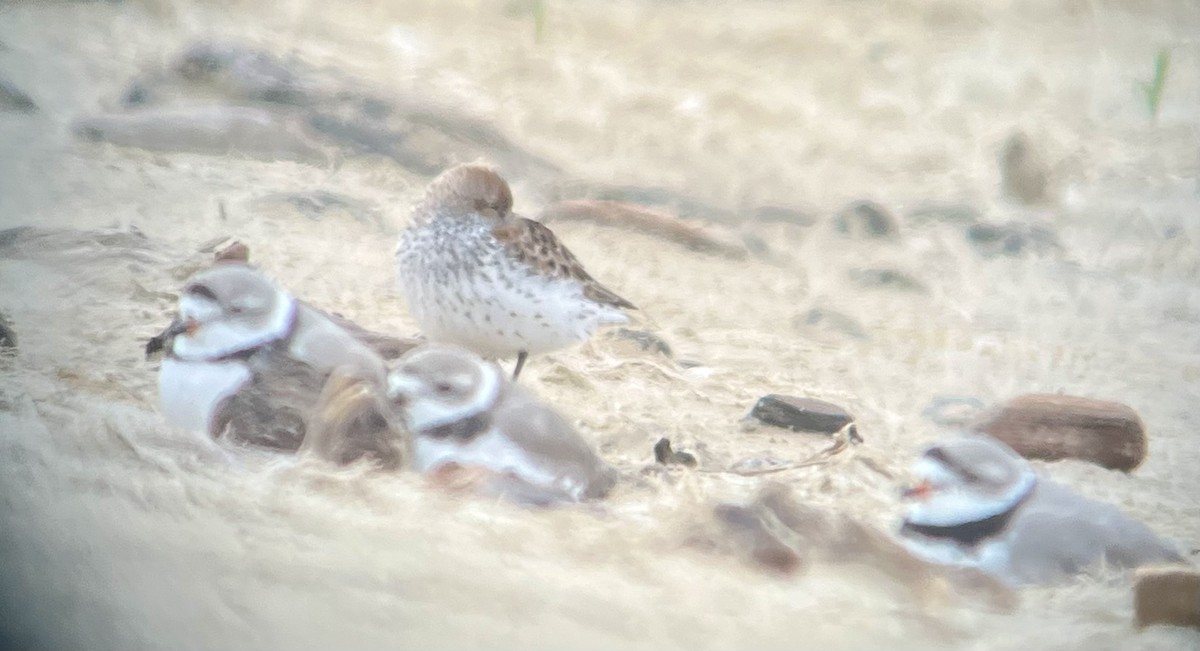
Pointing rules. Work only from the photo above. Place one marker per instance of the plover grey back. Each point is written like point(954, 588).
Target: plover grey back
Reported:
point(478, 275)
point(248, 361)
point(462, 411)
point(980, 504)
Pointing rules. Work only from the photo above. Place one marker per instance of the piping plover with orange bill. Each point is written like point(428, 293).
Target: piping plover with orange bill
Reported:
point(980, 504)
point(478, 275)
point(463, 412)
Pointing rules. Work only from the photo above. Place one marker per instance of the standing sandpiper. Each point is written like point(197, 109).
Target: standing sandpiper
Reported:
point(477, 275)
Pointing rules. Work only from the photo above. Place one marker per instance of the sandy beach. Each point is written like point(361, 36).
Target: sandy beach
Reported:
point(761, 121)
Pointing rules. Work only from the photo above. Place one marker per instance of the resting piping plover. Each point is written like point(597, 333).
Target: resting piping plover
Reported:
point(478, 275)
point(462, 411)
point(247, 361)
point(980, 504)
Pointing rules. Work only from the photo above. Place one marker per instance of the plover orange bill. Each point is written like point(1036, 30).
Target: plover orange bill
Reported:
point(247, 361)
point(463, 412)
point(478, 275)
point(978, 503)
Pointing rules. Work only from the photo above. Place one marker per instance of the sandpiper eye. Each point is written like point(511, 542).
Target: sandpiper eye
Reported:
point(443, 388)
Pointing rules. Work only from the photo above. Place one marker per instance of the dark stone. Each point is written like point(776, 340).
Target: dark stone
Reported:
point(801, 414)
point(8, 338)
point(1012, 239)
point(866, 219)
point(14, 99)
point(886, 279)
point(1023, 175)
point(664, 455)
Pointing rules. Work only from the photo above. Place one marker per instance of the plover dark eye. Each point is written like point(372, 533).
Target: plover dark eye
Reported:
point(443, 388)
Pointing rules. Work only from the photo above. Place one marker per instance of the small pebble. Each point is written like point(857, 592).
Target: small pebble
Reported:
point(1023, 175)
point(14, 99)
point(866, 219)
point(1167, 595)
point(664, 455)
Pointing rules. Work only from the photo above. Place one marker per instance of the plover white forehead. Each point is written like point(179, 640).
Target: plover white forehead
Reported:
point(978, 503)
point(476, 274)
point(246, 360)
point(462, 411)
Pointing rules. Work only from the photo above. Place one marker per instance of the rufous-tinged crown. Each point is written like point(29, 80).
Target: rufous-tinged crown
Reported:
point(471, 187)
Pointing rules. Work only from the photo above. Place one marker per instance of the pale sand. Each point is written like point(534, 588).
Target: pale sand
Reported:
point(119, 533)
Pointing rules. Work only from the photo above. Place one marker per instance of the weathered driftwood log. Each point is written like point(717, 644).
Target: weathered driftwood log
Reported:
point(648, 220)
point(1053, 427)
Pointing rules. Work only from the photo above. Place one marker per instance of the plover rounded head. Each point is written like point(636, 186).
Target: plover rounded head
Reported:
point(439, 384)
point(227, 309)
point(967, 479)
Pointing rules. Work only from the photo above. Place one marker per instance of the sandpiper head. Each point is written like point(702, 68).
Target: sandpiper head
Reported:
point(967, 479)
point(467, 189)
point(227, 309)
point(436, 385)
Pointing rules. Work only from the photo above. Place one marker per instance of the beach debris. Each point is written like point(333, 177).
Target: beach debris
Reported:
point(1053, 427)
point(782, 535)
point(866, 219)
point(802, 414)
point(1012, 239)
point(647, 220)
point(14, 99)
point(1023, 174)
point(1166, 595)
point(664, 455)
point(8, 337)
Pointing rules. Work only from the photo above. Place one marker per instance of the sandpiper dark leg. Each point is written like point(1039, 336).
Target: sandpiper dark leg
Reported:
point(521, 357)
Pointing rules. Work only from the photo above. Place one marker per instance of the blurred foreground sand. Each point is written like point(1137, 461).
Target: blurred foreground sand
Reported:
point(117, 533)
